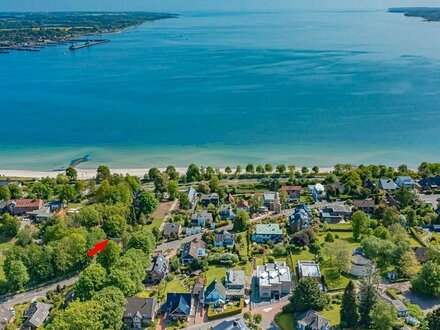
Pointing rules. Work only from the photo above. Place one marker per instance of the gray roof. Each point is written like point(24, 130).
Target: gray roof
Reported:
point(399, 306)
point(237, 324)
point(202, 215)
point(387, 184)
point(172, 228)
point(178, 302)
point(235, 277)
point(193, 249)
point(364, 203)
point(192, 194)
point(160, 266)
point(313, 320)
point(37, 313)
point(217, 286)
point(140, 307)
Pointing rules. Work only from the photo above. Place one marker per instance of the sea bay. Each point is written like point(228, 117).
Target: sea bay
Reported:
point(303, 86)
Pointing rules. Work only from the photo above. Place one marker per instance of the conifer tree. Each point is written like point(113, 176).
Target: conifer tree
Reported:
point(349, 306)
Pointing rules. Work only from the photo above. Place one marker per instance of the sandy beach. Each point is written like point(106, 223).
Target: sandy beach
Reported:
point(91, 173)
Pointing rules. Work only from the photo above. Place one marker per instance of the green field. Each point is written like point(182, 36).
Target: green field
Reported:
point(215, 272)
point(175, 286)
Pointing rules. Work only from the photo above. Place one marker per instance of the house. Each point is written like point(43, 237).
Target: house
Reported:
point(139, 312)
point(309, 269)
point(6, 316)
point(198, 292)
point(430, 183)
point(337, 187)
point(172, 230)
point(274, 280)
point(312, 320)
point(387, 185)
point(235, 282)
point(243, 205)
point(301, 218)
point(405, 182)
point(366, 205)
point(35, 315)
point(271, 201)
point(193, 250)
point(159, 269)
point(237, 324)
point(226, 212)
point(224, 239)
point(201, 219)
point(230, 198)
point(41, 215)
point(335, 213)
point(215, 294)
point(23, 206)
point(294, 192)
point(267, 232)
point(192, 196)
point(189, 231)
point(210, 199)
point(177, 306)
point(402, 310)
point(317, 191)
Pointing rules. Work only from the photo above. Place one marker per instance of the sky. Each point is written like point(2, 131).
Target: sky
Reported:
point(177, 6)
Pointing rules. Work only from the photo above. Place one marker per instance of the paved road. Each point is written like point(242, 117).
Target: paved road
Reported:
point(36, 293)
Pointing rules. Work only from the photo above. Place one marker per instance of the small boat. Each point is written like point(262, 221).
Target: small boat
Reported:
point(78, 161)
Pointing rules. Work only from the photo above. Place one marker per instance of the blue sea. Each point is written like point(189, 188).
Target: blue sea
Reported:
point(302, 86)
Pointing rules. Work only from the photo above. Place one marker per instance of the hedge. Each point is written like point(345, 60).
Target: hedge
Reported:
point(232, 311)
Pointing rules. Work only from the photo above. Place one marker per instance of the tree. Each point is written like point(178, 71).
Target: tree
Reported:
point(41, 190)
point(238, 169)
point(110, 255)
point(383, 315)
point(16, 191)
point(173, 189)
point(79, 315)
point(360, 222)
point(390, 216)
point(404, 196)
point(143, 240)
point(250, 169)
point(279, 251)
point(17, 275)
point(214, 183)
point(339, 255)
point(91, 280)
point(307, 295)
point(408, 264)
point(368, 298)
point(147, 202)
point(103, 173)
point(329, 238)
point(268, 168)
point(161, 183)
point(281, 169)
point(315, 169)
point(24, 236)
point(260, 169)
point(5, 194)
point(88, 216)
point(241, 221)
point(228, 170)
point(427, 282)
point(378, 249)
point(304, 170)
point(349, 306)
point(193, 173)
point(185, 203)
point(67, 193)
point(433, 319)
point(72, 173)
point(172, 173)
point(113, 302)
point(10, 225)
point(122, 280)
point(114, 225)
point(300, 239)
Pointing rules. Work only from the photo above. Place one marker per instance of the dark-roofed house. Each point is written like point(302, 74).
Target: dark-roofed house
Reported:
point(192, 250)
point(172, 230)
point(365, 205)
point(301, 218)
point(210, 199)
point(35, 315)
point(224, 239)
point(312, 320)
point(23, 206)
point(177, 306)
point(139, 312)
point(159, 269)
point(198, 291)
point(430, 183)
point(335, 213)
point(6, 316)
point(192, 196)
point(215, 294)
point(387, 184)
point(201, 219)
point(400, 307)
point(237, 324)
point(226, 212)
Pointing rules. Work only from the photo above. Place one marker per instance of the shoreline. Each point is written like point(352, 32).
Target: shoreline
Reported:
point(85, 174)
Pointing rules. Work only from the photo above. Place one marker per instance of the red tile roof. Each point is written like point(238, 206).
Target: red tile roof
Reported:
point(291, 188)
point(27, 202)
point(242, 204)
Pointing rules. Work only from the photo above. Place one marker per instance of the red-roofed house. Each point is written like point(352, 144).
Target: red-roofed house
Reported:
point(294, 192)
point(243, 205)
point(23, 206)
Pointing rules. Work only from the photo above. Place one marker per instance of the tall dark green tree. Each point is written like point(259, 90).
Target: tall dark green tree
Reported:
point(307, 295)
point(433, 319)
point(349, 307)
point(368, 298)
point(193, 173)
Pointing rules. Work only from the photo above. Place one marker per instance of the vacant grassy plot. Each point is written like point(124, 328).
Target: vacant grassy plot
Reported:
point(175, 286)
point(343, 235)
point(215, 272)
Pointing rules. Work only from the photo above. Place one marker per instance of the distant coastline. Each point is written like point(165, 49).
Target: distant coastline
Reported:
point(429, 14)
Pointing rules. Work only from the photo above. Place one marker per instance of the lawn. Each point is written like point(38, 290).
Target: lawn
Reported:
point(247, 268)
point(175, 286)
point(285, 321)
point(344, 235)
point(339, 226)
point(333, 314)
point(156, 223)
point(215, 272)
point(333, 280)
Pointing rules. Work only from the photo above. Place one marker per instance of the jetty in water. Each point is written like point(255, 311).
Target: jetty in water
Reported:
point(78, 44)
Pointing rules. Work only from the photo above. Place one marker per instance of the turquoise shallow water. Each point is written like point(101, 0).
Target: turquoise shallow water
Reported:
point(301, 86)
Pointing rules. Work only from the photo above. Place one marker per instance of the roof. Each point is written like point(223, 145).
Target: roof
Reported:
point(27, 202)
point(431, 182)
point(406, 179)
point(268, 229)
point(337, 208)
point(192, 194)
point(160, 265)
point(235, 277)
point(387, 184)
point(177, 302)
point(273, 273)
point(140, 306)
point(243, 204)
point(210, 196)
point(223, 235)
point(216, 285)
point(400, 306)
point(270, 196)
point(192, 249)
point(172, 228)
point(37, 313)
point(5, 315)
point(313, 320)
point(291, 188)
point(237, 324)
point(420, 253)
point(308, 268)
point(231, 198)
point(202, 215)
point(364, 203)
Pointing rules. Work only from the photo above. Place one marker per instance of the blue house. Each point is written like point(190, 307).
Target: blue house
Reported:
point(405, 182)
point(215, 294)
point(177, 306)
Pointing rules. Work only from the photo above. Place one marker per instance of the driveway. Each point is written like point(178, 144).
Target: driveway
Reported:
point(430, 199)
point(269, 312)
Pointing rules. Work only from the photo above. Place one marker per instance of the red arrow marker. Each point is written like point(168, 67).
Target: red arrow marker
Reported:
point(97, 248)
